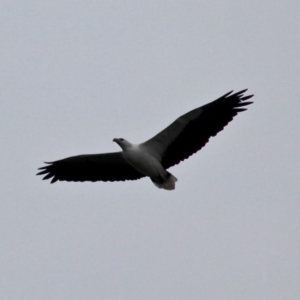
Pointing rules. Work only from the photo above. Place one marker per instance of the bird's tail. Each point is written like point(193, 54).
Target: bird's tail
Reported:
point(166, 184)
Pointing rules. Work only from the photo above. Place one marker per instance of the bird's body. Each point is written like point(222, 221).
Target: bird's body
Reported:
point(184, 137)
point(142, 161)
point(147, 164)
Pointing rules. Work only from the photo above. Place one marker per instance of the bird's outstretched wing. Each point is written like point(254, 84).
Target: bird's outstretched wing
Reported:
point(90, 167)
point(190, 132)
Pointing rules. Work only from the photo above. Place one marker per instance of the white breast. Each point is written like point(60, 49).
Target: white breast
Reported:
point(142, 161)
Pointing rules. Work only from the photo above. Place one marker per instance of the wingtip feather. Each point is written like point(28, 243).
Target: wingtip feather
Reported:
point(54, 179)
point(49, 175)
point(246, 97)
point(42, 172)
point(240, 92)
point(227, 94)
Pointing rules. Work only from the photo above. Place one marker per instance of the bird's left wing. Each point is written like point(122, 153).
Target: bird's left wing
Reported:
point(90, 167)
point(190, 132)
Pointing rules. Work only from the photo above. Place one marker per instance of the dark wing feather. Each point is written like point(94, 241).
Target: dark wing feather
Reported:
point(190, 132)
point(90, 167)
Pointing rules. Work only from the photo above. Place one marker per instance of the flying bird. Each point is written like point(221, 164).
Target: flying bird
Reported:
point(184, 137)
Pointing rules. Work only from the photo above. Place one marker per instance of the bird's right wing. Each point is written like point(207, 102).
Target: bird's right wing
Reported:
point(90, 167)
point(190, 132)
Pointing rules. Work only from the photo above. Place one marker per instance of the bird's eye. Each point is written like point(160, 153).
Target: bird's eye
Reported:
point(121, 140)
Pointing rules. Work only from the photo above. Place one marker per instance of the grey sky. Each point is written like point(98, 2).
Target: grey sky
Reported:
point(75, 75)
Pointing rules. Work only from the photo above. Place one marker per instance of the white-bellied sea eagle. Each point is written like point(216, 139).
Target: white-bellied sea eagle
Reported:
point(184, 137)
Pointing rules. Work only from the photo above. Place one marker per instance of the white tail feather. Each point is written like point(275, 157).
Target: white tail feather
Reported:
point(167, 185)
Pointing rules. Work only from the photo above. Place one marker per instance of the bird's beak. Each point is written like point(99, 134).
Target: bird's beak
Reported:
point(114, 140)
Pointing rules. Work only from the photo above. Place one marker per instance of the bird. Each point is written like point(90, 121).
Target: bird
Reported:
point(152, 158)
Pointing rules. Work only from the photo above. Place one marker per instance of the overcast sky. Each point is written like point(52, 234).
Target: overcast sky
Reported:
point(75, 75)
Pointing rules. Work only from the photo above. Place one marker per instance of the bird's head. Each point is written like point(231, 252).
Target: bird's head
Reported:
point(122, 143)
